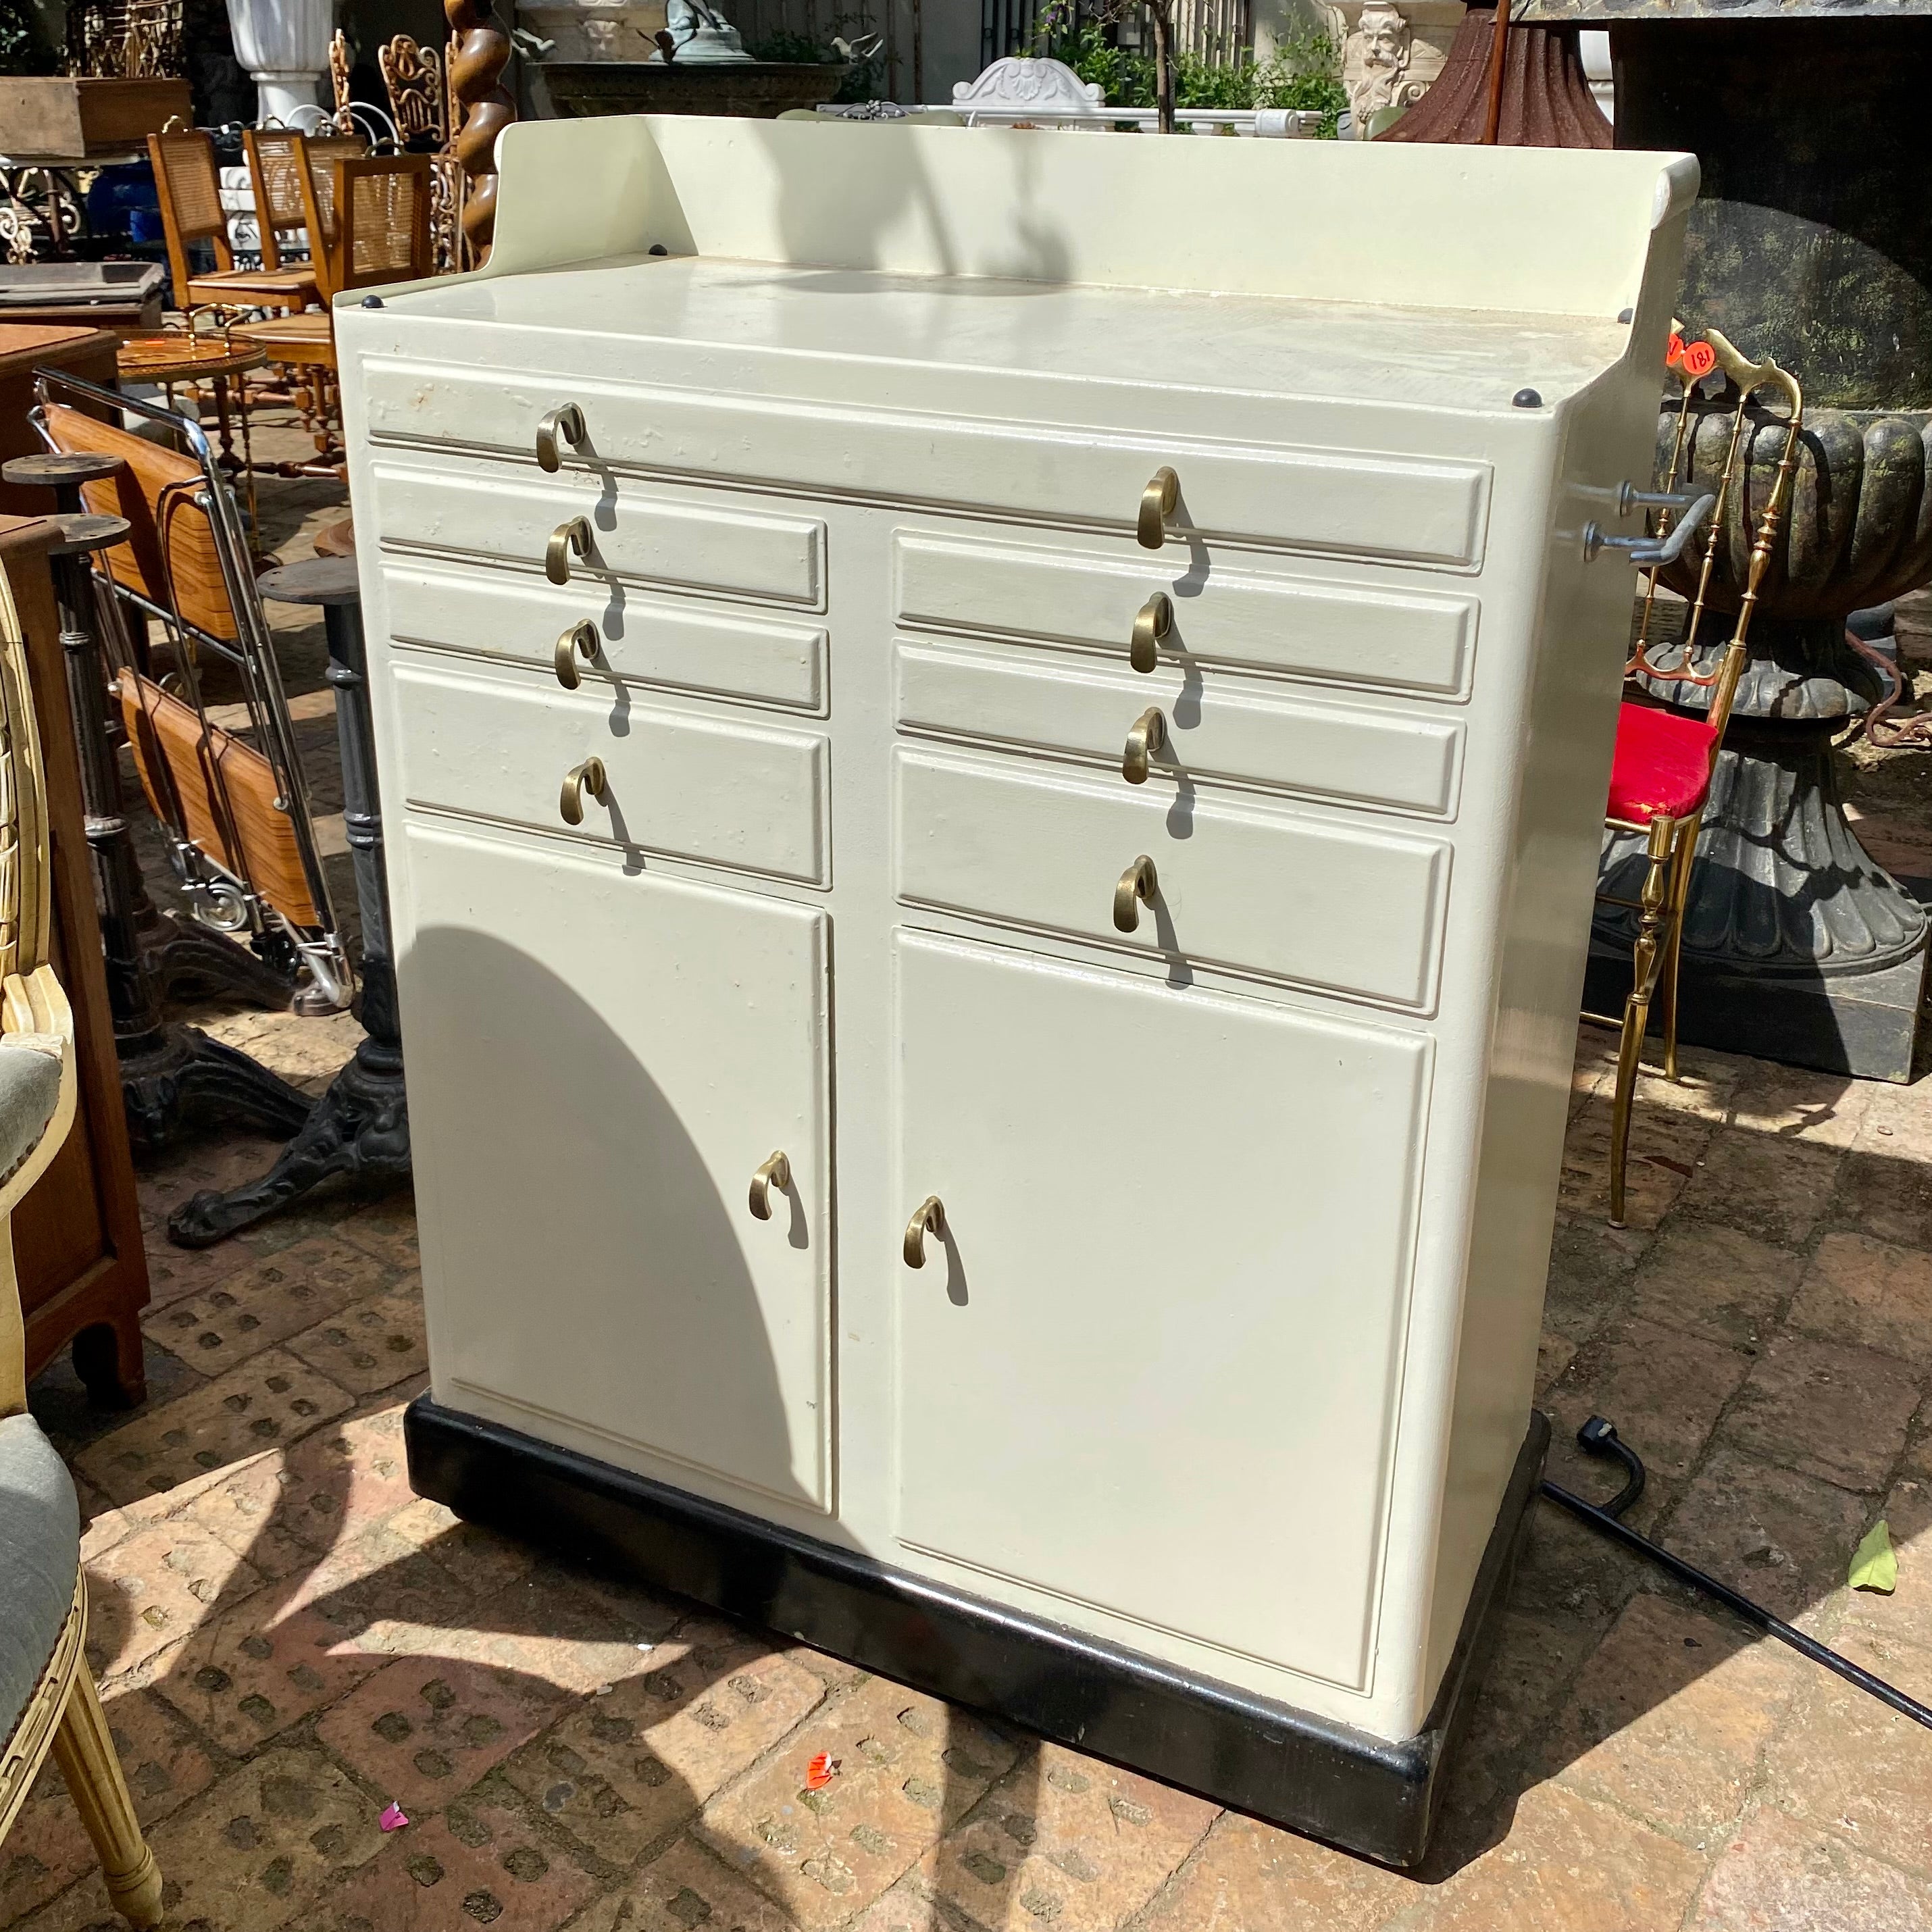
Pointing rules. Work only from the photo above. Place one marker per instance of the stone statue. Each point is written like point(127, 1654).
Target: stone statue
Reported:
point(698, 32)
point(1376, 61)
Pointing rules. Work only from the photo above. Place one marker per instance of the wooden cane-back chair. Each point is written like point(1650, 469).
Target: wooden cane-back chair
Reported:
point(275, 160)
point(1661, 772)
point(235, 809)
point(382, 226)
point(378, 231)
point(190, 191)
point(48, 1704)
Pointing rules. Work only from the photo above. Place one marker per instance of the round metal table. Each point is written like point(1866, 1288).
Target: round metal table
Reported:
point(174, 358)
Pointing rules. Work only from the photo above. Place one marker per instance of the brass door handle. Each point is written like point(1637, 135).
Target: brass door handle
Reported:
point(1158, 502)
point(565, 420)
point(1137, 883)
point(776, 1172)
point(587, 777)
point(574, 535)
point(1148, 734)
point(1152, 622)
point(929, 1218)
point(581, 636)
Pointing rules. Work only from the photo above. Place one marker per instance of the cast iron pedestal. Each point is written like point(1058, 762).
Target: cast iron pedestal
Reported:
point(360, 1128)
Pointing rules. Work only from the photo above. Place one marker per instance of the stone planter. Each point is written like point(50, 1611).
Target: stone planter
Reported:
point(759, 90)
point(284, 45)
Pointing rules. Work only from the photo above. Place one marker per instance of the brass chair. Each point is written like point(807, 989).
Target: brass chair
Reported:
point(190, 191)
point(276, 157)
point(48, 1703)
point(1661, 772)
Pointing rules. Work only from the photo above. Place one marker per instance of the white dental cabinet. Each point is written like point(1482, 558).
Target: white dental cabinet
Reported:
point(993, 745)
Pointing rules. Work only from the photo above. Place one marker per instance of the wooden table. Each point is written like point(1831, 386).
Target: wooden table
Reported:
point(25, 347)
point(77, 1246)
point(176, 357)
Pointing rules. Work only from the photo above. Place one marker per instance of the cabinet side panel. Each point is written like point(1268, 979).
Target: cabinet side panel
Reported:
point(1575, 673)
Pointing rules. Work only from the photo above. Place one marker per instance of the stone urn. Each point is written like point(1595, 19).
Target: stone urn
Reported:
point(1811, 243)
point(1796, 942)
point(283, 44)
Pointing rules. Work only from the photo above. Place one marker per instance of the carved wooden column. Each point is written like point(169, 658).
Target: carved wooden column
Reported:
point(479, 52)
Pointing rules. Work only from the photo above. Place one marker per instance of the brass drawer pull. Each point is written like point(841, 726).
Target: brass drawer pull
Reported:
point(929, 1218)
point(587, 777)
point(1152, 622)
point(1158, 502)
point(574, 535)
point(1137, 883)
point(581, 636)
point(776, 1172)
point(565, 420)
point(1149, 734)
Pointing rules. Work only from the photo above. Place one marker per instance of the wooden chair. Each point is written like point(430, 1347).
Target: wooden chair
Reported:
point(413, 78)
point(190, 190)
point(1661, 772)
point(369, 227)
point(48, 1703)
point(235, 810)
point(276, 156)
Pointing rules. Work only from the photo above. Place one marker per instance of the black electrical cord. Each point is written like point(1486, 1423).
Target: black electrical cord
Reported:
point(1598, 1437)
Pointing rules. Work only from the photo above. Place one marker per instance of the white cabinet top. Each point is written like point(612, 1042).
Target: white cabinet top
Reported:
point(1448, 277)
point(1267, 345)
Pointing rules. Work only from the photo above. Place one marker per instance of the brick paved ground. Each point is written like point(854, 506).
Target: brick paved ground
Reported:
point(288, 1639)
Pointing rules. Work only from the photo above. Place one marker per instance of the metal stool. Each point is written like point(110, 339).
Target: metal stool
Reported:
point(189, 963)
point(171, 1075)
point(360, 1127)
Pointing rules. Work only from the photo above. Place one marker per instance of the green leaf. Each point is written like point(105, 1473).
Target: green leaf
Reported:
point(1874, 1563)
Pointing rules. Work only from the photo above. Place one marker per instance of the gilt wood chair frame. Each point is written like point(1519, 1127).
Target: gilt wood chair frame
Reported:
point(62, 1717)
point(217, 882)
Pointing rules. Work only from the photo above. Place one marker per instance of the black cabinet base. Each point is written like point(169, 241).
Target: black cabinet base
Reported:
point(1304, 1772)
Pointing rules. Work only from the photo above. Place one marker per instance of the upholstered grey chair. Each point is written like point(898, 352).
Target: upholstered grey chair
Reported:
point(48, 1701)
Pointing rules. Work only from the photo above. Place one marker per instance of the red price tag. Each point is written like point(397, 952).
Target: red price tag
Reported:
point(1699, 359)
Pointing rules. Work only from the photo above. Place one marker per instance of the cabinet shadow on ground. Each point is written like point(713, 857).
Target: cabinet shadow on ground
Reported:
point(1529, 1724)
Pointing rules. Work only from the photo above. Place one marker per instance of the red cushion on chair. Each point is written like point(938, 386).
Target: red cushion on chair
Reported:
point(1662, 766)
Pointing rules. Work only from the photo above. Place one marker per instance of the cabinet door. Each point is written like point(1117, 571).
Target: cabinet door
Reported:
point(598, 1062)
point(1152, 1367)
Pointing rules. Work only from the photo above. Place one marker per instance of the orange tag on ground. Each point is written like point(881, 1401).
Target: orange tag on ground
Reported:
point(820, 1771)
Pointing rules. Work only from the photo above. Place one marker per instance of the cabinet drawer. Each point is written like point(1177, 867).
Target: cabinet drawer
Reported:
point(1429, 510)
point(1215, 727)
point(653, 642)
point(634, 535)
point(1356, 909)
point(745, 795)
point(1401, 640)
